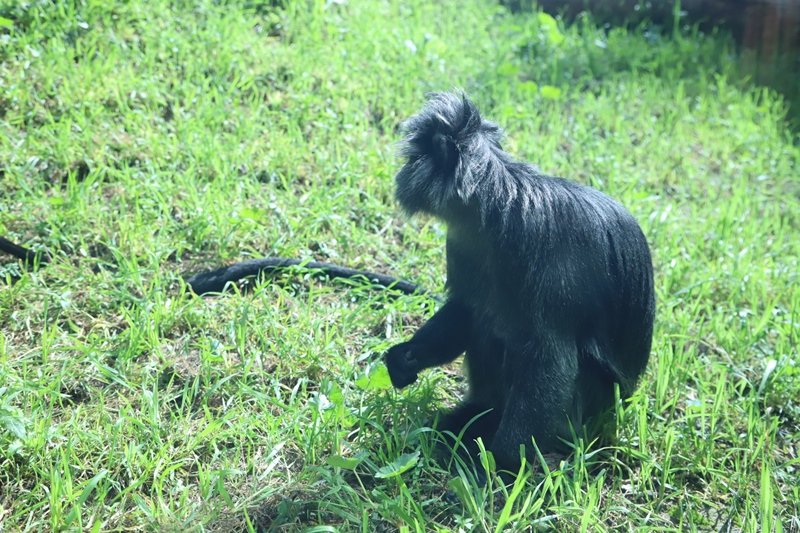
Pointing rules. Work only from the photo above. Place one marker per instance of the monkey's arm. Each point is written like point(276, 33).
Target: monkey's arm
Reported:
point(217, 280)
point(443, 338)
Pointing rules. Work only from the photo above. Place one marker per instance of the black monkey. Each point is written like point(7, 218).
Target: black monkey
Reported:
point(550, 286)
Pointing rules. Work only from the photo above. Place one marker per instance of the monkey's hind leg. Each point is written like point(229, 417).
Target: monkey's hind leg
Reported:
point(479, 415)
point(472, 419)
point(541, 400)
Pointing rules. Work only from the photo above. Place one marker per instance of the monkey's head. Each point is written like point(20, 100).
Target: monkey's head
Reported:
point(448, 150)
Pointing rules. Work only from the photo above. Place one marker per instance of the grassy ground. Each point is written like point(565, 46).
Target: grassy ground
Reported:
point(148, 140)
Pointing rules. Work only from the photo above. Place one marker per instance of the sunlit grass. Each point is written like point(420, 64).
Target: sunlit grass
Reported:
point(144, 141)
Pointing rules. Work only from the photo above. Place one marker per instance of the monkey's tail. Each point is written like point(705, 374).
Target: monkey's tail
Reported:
point(26, 255)
point(217, 280)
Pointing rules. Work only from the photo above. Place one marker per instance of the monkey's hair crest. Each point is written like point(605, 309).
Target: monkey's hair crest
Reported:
point(454, 157)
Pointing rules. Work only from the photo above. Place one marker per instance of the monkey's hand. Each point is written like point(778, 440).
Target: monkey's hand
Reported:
point(402, 364)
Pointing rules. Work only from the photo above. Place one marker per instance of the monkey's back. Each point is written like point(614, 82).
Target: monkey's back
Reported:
point(563, 259)
point(613, 298)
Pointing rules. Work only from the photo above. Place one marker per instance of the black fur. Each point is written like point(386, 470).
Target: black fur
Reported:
point(217, 280)
point(27, 256)
point(550, 285)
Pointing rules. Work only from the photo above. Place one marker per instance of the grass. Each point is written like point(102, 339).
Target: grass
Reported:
point(143, 141)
